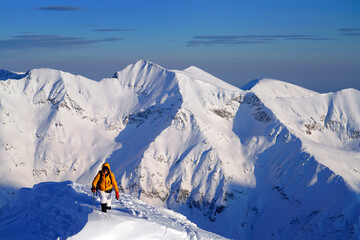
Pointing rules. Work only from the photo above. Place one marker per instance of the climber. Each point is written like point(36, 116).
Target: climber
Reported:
point(104, 182)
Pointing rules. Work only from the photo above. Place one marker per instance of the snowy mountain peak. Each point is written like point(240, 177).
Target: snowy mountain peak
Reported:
point(141, 66)
point(44, 74)
point(276, 89)
point(188, 141)
point(199, 74)
point(143, 76)
point(194, 69)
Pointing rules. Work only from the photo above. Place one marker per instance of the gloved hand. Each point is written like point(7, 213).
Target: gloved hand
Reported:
point(117, 195)
point(93, 189)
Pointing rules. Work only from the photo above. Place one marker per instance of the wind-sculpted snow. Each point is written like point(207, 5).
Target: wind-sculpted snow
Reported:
point(271, 161)
point(65, 210)
point(47, 211)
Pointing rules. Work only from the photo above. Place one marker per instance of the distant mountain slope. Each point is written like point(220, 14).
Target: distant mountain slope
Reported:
point(199, 74)
point(273, 156)
point(277, 89)
point(327, 124)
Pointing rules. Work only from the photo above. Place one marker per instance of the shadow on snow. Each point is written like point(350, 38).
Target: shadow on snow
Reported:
point(49, 210)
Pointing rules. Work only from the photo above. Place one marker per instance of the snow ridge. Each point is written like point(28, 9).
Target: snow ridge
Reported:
point(68, 213)
point(190, 142)
point(275, 89)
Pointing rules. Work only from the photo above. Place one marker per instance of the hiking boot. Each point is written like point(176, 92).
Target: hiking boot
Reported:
point(103, 207)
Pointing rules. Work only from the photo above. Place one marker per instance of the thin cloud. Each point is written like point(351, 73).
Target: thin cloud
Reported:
point(49, 41)
point(351, 34)
point(59, 8)
point(311, 38)
point(171, 0)
point(209, 40)
point(195, 43)
point(112, 30)
point(247, 36)
point(349, 29)
point(91, 25)
point(111, 39)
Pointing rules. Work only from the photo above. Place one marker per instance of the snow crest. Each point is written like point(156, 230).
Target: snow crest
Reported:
point(67, 210)
point(228, 159)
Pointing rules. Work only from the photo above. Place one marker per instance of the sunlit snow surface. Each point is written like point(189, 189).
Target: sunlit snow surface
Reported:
point(269, 161)
point(65, 210)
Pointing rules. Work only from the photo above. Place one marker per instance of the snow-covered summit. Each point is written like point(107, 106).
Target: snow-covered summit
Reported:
point(133, 74)
point(199, 74)
point(187, 141)
point(276, 89)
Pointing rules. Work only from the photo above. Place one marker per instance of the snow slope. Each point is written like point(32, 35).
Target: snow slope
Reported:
point(277, 89)
point(65, 210)
point(327, 124)
point(270, 161)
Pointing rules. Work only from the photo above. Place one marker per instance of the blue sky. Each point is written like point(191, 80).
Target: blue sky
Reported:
point(311, 43)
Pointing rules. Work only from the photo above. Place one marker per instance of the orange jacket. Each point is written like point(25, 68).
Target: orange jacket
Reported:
point(105, 183)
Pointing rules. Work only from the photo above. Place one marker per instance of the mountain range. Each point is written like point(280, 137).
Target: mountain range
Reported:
point(271, 160)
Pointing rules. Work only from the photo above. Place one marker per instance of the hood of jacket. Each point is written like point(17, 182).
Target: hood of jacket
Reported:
point(106, 165)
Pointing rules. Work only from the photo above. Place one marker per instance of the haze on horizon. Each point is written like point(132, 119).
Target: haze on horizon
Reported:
point(313, 44)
